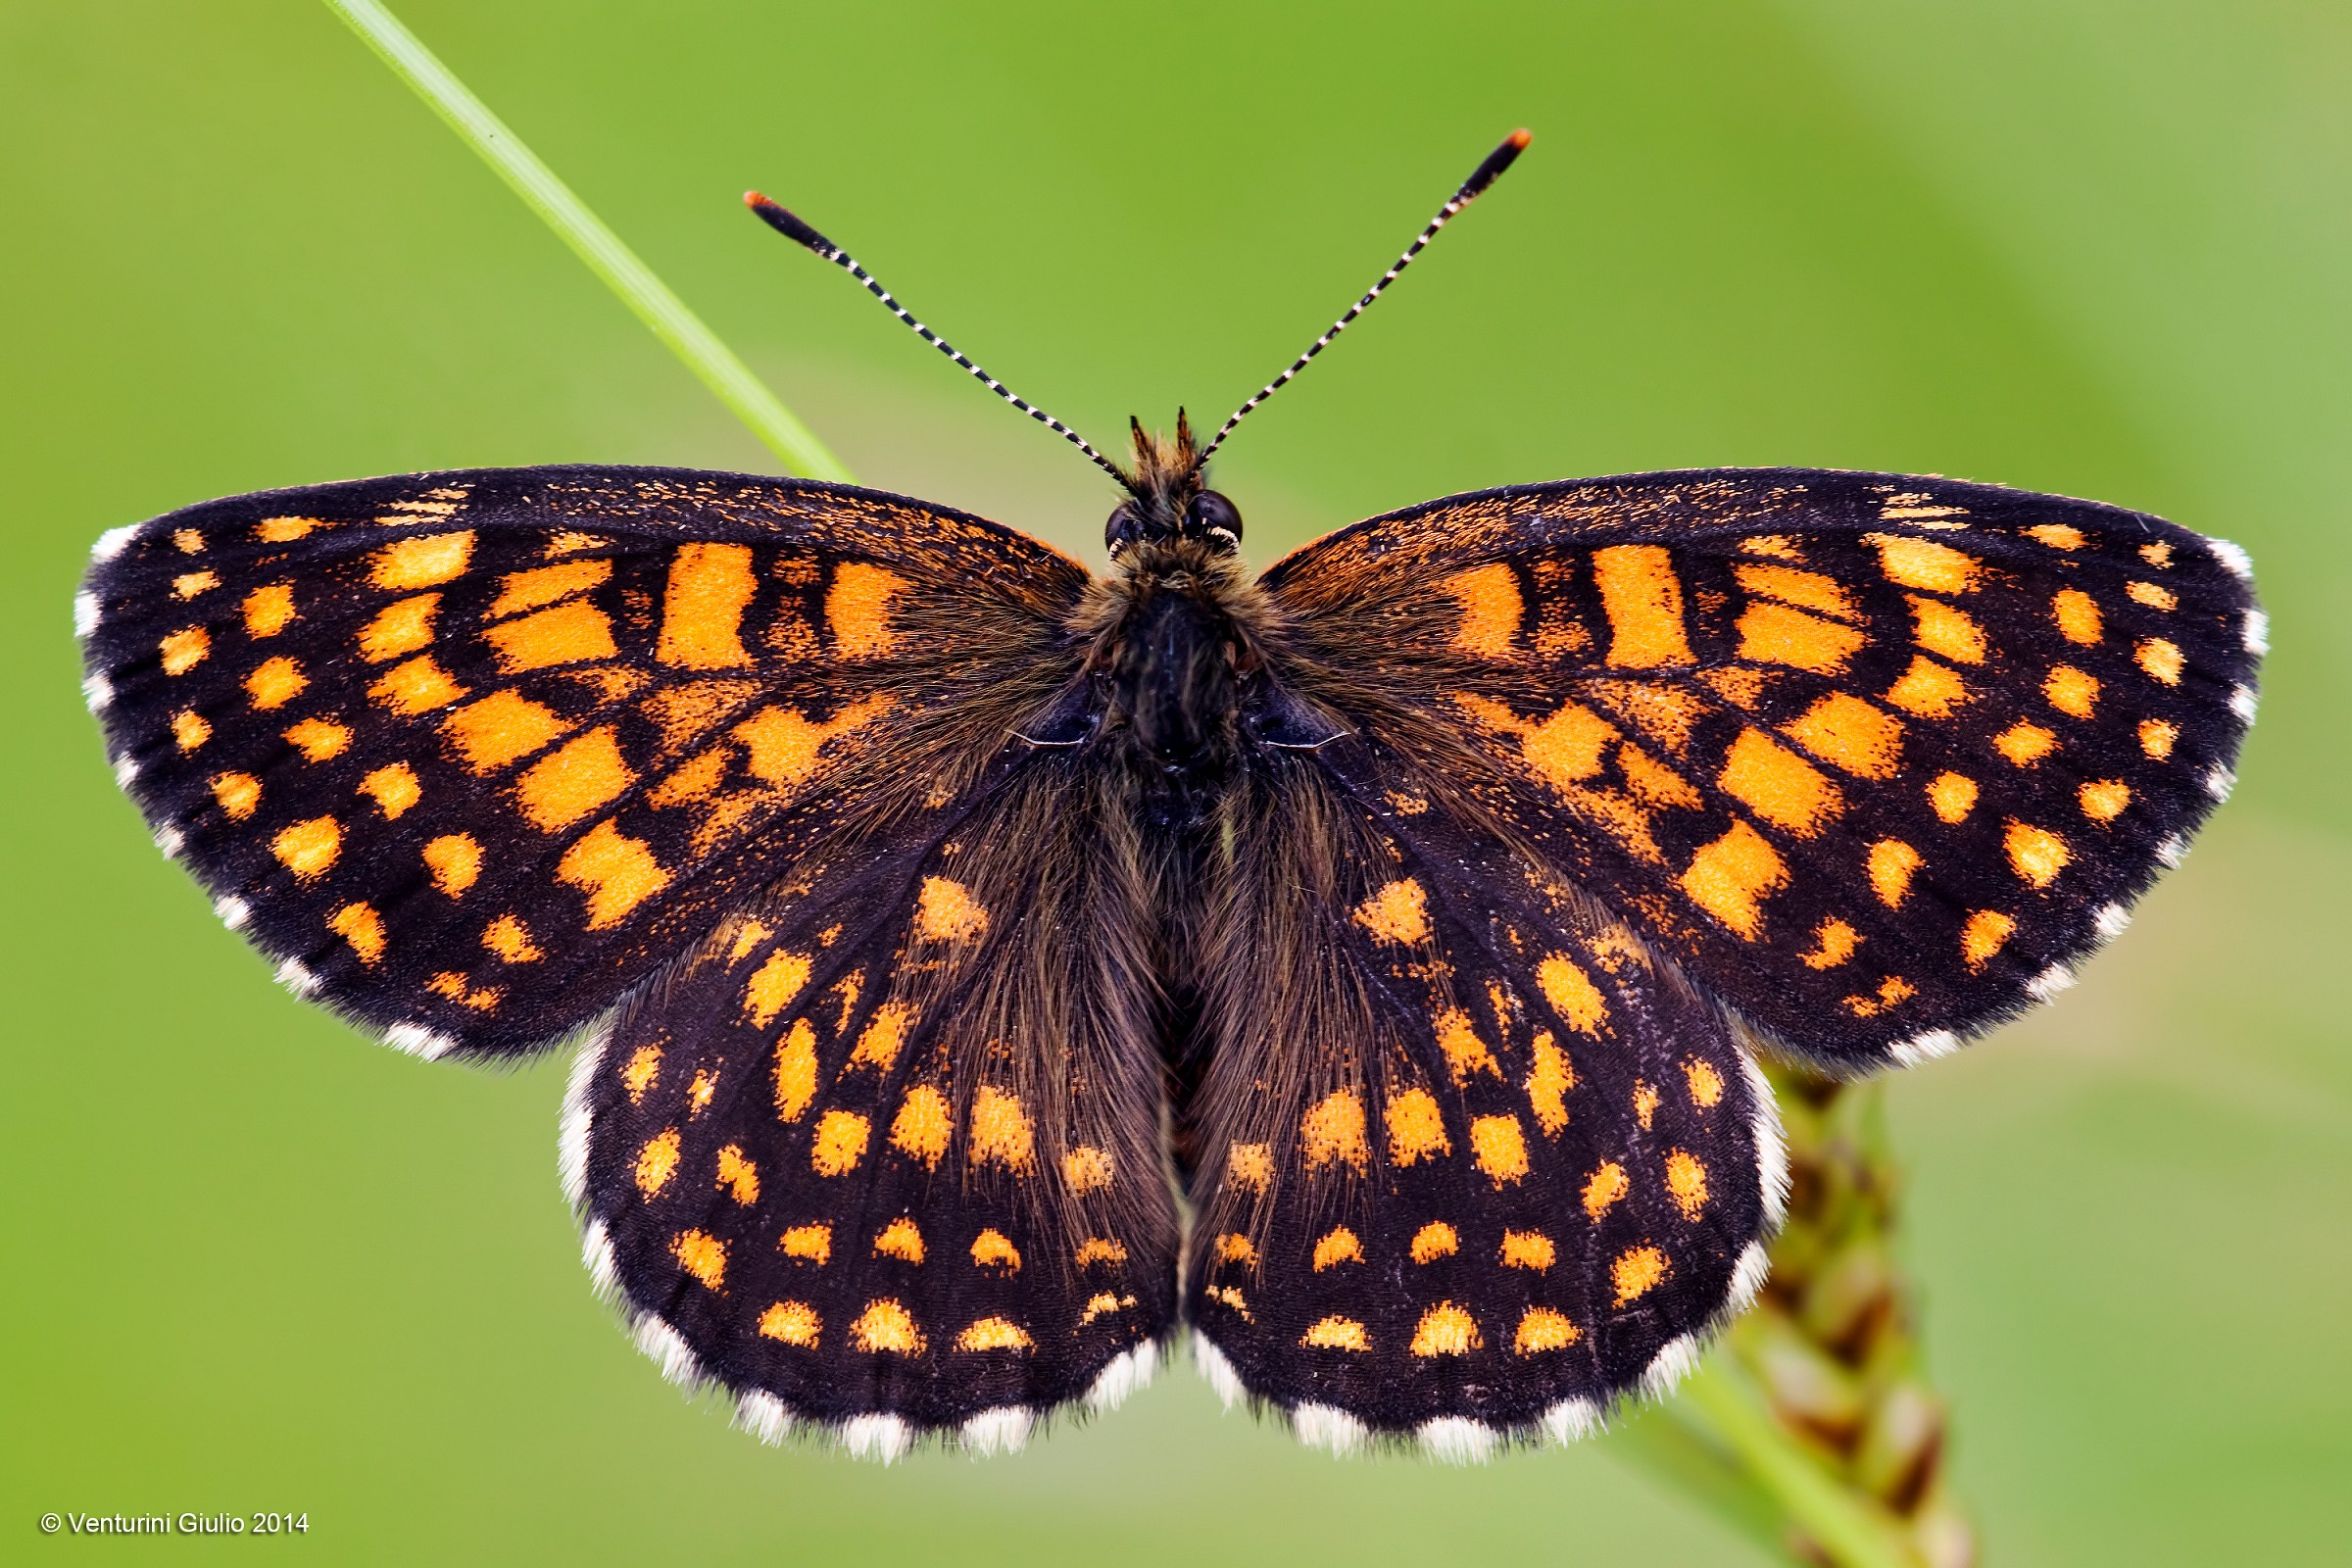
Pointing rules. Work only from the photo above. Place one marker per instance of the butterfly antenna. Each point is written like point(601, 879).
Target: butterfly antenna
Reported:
point(1484, 176)
point(787, 224)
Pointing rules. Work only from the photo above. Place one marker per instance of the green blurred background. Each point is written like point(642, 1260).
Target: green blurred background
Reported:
point(2102, 247)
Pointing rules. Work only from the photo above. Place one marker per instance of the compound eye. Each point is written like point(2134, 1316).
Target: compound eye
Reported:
point(1211, 513)
point(1122, 528)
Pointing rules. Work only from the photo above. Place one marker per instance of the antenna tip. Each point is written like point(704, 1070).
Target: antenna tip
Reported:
point(1501, 159)
point(782, 220)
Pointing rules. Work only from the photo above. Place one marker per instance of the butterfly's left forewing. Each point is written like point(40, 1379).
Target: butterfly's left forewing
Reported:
point(471, 753)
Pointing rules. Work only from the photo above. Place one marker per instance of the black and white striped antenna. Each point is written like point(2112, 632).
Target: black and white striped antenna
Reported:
point(784, 223)
point(1484, 176)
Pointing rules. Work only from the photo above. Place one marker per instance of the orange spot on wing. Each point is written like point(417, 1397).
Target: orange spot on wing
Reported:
point(2077, 614)
point(1541, 1328)
point(1927, 689)
point(1491, 607)
point(947, 911)
point(2036, 854)
point(1779, 786)
point(1604, 1186)
point(418, 686)
point(1549, 1080)
point(702, 607)
point(1336, 1333)
point(657, 1163)
point(360, 926)
point(1333, 1130)
point(2057, 535)
point(511, 939)
point(1445, 1329)
point(568, 633)
point(569, 784)
point(991, 1249)
point(641, 1072)
point(319, 740)
point(1416, 1127)
point(886, 1325)
point(618, 872)
point(857, 607)
point(182, 650)
point(1528, 1250)
point(1952, 796)
point(1250, 1167)
point(1087, 1169)
point(1809, 590)
point(2156, 737)
point(839, 1145)
point(190, 729)
point(924, 1122)
point(1731, 877)
point(268, 610)
point(793, 1323)
point(503, 727)
point(518, 591)
point(1001, 1132)
point(885, 1034)
point(778, 979)
point(309, 847)
point(738, 1176)
point(1636, 1271)
point(1925, 564)
point(402, 626)
point(1644, 601)
point(1982, 937)
point(1947, 632)
point(899, 1240)
point(1833, 942)
point(1686, 1183)
point(1499, 1147)
point(1433, 1240)
point(2153, 595)
point(275, 682)
point(2025, 744)
point(1704, 1082)
point(1850, 733)
point(703, 1255)
point(1774, 633)
point(810, 1243)
point(2071, 691)
point(238, 794)
point(1465, 1053)
point(1397, 913)
point(455, 861)
point(422, 561)
point(2104, 800)
point(1338, 1246)
point(994, 1334)
point(2161, 659)
point(1891, 862)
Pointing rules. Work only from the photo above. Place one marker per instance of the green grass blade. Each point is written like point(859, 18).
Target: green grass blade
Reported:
point(793, 442)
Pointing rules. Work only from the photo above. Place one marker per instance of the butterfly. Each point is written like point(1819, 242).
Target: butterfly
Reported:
point(982, 973)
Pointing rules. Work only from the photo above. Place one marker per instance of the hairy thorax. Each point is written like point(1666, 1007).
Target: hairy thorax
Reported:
point(1177, 643)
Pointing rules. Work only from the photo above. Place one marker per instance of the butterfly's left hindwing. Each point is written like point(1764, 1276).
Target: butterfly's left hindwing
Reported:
point(469, 753)
point(1878, 760)
point(1475, 1162)
point(883, 1157)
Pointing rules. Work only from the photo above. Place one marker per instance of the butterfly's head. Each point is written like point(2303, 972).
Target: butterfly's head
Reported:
point(1166, 500)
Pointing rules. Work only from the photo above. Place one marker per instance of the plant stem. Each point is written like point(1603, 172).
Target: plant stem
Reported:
point(1854, 1531)
point(793, 442)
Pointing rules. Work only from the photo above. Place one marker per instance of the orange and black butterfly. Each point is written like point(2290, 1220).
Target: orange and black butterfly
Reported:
point(982, 973)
